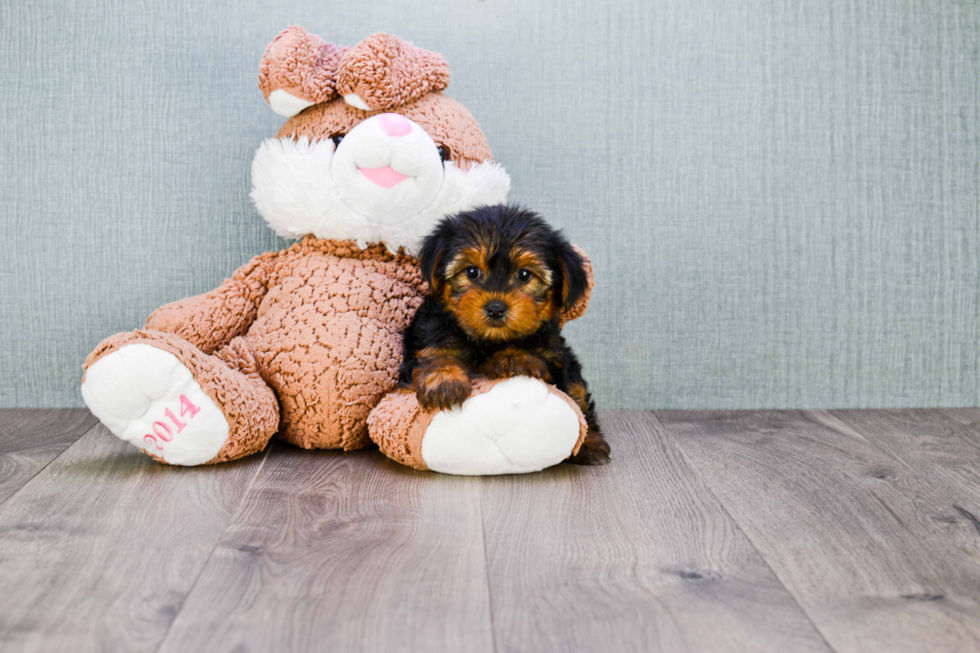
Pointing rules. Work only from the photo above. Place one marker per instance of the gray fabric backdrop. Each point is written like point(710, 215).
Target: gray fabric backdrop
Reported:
point(780, 197)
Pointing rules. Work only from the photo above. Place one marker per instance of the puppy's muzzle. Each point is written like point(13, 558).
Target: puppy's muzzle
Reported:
point(495, 310)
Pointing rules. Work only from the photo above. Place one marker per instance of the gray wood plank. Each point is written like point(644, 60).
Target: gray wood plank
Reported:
point(345, 552)
point(941, 444)
point(634, 555)
point(859, 539)
point(98, 551)
point(32, 438)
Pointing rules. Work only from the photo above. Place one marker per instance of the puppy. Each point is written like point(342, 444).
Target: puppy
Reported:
point(498, 277)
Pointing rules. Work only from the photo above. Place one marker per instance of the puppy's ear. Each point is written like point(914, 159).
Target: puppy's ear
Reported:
point(431, 254)
point(574, 280)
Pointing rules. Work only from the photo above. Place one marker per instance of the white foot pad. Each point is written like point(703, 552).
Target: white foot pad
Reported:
point(147, 397)
point(516, 427)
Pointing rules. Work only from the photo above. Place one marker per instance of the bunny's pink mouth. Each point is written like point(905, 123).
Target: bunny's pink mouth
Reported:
point(384, 177)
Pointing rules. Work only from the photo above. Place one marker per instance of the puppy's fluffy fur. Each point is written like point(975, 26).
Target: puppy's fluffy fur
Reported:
point(498, 276)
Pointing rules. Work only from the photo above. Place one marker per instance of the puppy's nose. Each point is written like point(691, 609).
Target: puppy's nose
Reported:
point(495, 309)
point(395, 125)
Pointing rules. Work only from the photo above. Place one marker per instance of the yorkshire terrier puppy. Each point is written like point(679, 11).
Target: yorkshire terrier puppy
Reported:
point(498, 277)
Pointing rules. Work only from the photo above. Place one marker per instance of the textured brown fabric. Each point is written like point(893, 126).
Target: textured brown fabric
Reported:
point(398, 423)
point(211, 320)
point(302, 64)
point(328, 337)
point(446, 121)
point(230, 380)
point(387, 72)
point(322, 323)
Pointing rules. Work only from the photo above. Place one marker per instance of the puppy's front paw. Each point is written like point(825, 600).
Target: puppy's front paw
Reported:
point(443, 389)
point(594, 451)
point(514, 362)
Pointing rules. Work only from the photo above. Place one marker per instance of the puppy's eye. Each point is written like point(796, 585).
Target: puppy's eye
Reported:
point(336, 140)
point(523, 275)
point(444, 153)
point(472, 273)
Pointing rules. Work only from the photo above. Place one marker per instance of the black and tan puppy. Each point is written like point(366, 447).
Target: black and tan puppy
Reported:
point(498, 277)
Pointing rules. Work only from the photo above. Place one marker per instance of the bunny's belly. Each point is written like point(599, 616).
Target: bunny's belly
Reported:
point(328, 340)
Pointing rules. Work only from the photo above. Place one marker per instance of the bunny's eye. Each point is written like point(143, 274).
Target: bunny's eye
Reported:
point(336, 140)
point(444, 153)
point(472, 273)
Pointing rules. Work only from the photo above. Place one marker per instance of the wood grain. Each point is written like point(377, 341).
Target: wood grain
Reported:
point(941, 445)
point(99, 550)
point(853, 530)
point(32, 438)
point(635, 555)
point(344, 552)
point(860, 540)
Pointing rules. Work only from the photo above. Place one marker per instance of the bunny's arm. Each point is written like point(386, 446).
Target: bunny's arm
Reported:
point(211, 320)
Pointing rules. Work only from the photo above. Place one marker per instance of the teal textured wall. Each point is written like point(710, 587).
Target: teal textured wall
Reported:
point(780, 198)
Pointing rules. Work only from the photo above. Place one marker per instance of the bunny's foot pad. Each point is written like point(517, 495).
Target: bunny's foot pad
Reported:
point(147, 397)
point(513, 426)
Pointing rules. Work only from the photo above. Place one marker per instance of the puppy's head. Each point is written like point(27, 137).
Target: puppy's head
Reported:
point(501, 271)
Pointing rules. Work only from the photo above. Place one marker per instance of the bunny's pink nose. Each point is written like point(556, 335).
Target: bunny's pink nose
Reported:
point(395, 125)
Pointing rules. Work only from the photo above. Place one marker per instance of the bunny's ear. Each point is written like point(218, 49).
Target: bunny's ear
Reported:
point(383, 72)
point(298, 70)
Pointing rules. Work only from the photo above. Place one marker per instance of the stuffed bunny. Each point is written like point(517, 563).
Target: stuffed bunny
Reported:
point(305, 343)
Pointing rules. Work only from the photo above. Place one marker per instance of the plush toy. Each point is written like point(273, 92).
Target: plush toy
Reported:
point(306, 342)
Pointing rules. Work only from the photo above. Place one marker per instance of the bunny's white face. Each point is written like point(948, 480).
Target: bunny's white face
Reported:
point(385, 181)
point(387, 167)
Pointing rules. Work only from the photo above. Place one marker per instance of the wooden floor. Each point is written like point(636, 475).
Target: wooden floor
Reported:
point(746, 531)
